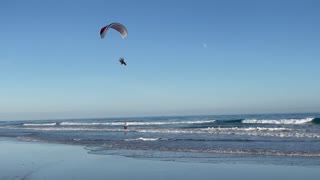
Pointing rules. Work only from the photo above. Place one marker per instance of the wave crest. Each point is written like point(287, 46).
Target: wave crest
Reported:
point(39, 124)
point(133, 123)
point(277, 121)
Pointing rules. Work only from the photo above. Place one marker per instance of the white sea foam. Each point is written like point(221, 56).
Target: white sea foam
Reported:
point(39, 124)
point(258, 131)
point(134, 123)
point(248, 129)
point(143, 139)
point(241, 131)
point(277, 121)
point(27, 139)
point(69, 129)
point(263, 152)
point(91, 124)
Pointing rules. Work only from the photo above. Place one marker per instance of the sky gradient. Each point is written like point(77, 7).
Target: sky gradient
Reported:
point(184, 58)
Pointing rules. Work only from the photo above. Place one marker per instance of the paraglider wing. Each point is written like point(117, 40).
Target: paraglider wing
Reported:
point(116, 26)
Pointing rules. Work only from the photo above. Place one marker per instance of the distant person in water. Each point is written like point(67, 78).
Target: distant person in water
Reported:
point(125, 126)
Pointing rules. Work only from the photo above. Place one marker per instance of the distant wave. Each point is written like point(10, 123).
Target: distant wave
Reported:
point(316, 121)
point(230, 121)
point(279, 121)
point(39, 124)
point(201, 123)
point(270, 121)
point(133, 123)
point(91, 123)
point(59, 128)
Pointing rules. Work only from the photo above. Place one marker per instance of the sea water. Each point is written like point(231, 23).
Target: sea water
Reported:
point(289, 139)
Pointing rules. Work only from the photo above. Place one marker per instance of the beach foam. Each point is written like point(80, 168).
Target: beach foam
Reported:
point(143, 139)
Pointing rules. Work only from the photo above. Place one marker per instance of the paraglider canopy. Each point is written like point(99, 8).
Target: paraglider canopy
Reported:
point(116, 26)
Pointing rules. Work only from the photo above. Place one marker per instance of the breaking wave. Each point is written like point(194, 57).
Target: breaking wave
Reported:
point(278, 121)
point(316, 121)
point(195, 122)
point(40, 124)
point(134, 123)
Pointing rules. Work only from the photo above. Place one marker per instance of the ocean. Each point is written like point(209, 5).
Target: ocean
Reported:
point(284, 139)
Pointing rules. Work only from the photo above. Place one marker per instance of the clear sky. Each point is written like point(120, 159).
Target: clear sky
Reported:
point(184, 57)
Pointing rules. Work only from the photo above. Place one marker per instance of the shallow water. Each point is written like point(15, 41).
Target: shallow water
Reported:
point(35, 160)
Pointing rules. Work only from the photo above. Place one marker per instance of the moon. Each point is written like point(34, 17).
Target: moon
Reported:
point(204, 45)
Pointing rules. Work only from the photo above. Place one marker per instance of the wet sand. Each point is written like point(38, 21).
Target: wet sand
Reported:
point(39, 161)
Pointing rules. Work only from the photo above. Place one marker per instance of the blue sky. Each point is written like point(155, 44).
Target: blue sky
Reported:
point(184, 57)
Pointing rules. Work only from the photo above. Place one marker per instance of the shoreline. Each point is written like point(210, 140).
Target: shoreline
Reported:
point(41, 160)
